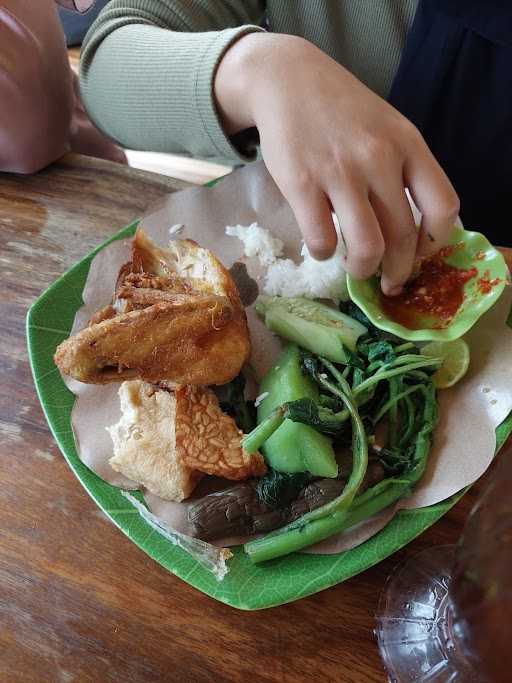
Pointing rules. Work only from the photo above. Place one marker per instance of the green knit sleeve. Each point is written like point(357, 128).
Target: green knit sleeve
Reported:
point(147, 69)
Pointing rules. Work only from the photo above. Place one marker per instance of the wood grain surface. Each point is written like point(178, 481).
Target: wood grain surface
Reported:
point(80, 602)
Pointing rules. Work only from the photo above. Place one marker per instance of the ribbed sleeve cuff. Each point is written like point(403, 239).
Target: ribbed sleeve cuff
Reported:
point(203, 92)
point(151, 88)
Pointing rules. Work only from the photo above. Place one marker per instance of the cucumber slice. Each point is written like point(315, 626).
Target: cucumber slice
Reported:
point(294, 447)
point(312, 325)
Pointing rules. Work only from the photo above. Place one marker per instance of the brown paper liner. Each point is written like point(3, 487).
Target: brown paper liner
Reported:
point(464, 440)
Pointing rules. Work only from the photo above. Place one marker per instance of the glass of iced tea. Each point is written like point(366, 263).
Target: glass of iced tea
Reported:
point(446, 614)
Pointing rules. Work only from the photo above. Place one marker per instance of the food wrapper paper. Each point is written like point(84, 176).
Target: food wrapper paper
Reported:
point(464, 439)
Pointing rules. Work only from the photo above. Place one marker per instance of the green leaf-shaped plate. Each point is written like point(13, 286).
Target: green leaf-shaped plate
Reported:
point(246, 586)
point(477, 253)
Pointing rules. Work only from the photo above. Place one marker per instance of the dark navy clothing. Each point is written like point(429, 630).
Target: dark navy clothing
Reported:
point(454, 82)
point(76, 25)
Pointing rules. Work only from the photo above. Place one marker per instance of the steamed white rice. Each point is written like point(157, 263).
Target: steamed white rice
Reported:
point(309, 278)
point(257, 242)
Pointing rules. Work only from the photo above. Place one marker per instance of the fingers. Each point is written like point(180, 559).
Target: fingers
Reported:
point(400, 234)
point(376, 220)
point(361, 232)
point(434, 196)
point(313, 213)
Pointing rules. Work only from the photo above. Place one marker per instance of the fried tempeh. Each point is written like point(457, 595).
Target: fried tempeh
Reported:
point(166, 440)
point(209, 440)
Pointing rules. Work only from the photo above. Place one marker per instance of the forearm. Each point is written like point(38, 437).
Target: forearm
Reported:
point(147, 76)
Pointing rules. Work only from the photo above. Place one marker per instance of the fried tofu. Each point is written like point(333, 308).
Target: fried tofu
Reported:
point(178, 317)
point(145, 442)
point(167, 440)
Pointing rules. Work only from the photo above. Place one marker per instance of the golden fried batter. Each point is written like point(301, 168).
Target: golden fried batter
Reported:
point(171, 283)
point(178, 318)
point(162, 341)
point(104, 313)
point(140, 297)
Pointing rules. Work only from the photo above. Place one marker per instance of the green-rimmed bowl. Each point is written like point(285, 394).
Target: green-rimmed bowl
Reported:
point(477, 253)
point(246, 586)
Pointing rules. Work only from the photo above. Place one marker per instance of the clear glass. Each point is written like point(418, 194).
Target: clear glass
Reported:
point(446, 614)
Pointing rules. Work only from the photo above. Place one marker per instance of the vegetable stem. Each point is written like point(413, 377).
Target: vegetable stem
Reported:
point(312, 529)
point(256, 438)
point(404, 347)
point(386, 374)
point(373, 500)
point(316, 525)
point(394, 400)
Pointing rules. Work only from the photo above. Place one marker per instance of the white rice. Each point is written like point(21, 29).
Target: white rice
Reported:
point(310, 278)
point(257, 242)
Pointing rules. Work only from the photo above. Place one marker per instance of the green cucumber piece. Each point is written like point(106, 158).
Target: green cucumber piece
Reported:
point(314, 326)
point(294, 447)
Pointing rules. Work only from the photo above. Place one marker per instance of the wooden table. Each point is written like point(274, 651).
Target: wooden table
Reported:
point(80, 602)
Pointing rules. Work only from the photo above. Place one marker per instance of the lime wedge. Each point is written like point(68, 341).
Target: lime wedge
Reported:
point(455, 355)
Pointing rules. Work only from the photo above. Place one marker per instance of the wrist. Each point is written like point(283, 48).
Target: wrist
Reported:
point(242, 76)
point(231, 84)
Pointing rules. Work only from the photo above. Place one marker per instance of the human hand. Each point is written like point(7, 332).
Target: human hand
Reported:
point(331, 144)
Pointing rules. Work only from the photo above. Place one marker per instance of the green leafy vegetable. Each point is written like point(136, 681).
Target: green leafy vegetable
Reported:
point(357, 314)
point(290, 446)
point(370, 502)
point(279, 489)
point(386, 380)
point(233, 403)
point(380, 350)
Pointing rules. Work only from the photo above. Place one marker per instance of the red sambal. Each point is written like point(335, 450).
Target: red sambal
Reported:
point(485, 284)
point(433, 297)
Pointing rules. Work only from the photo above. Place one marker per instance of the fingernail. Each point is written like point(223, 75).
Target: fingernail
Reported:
point(395, 291)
